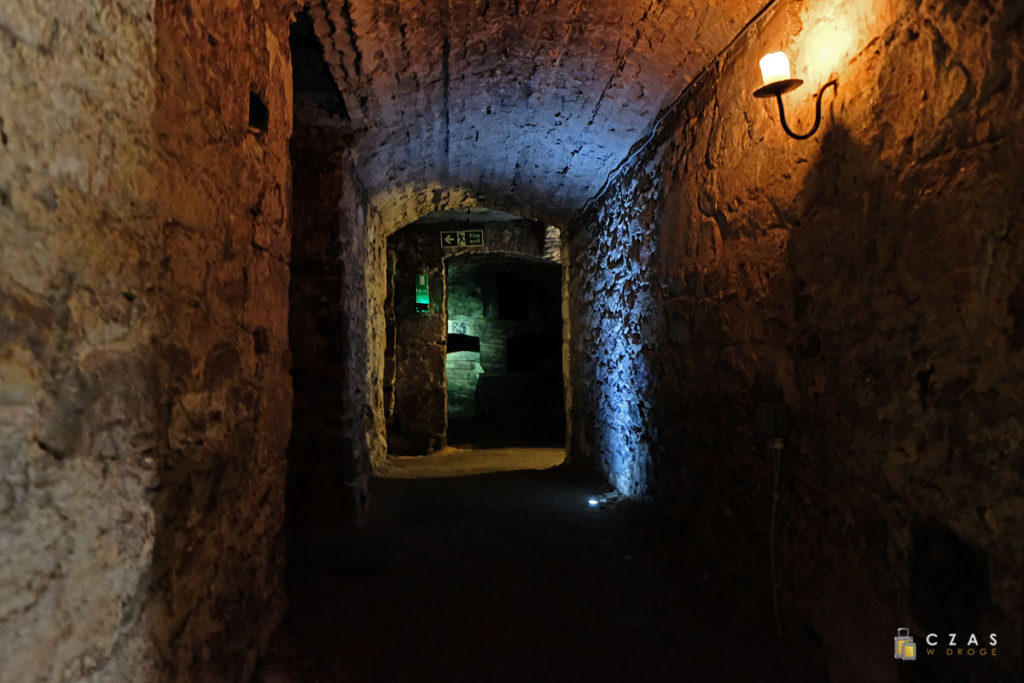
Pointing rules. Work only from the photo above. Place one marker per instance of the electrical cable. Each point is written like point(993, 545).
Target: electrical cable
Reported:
point(777, 445)
point(656, 128)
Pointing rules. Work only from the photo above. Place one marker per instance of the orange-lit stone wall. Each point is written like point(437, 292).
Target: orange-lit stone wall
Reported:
point(869, 278)
point(144, 388)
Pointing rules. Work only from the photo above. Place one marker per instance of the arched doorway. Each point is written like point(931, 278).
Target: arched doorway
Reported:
point(474, 334)
point(504, 351)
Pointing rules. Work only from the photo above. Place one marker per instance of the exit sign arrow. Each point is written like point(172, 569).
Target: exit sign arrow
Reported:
point(462, 238)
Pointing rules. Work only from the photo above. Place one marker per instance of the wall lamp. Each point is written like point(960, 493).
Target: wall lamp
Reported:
point(775, 73)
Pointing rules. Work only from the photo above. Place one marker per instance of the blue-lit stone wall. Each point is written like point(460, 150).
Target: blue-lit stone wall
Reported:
point(614, 326)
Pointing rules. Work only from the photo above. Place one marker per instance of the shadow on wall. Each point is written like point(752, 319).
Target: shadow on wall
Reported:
point(873, 315)
point(326, 475)
point(879, 298)
point(316, 462)
point(888, 316)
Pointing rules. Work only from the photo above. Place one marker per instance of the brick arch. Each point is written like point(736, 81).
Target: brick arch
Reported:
point(397, 207)
point(530, 104)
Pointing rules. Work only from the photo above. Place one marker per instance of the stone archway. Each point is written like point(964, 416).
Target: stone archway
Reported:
point(418, 308)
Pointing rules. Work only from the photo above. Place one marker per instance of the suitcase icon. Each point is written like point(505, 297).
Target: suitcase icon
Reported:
point(906, 649)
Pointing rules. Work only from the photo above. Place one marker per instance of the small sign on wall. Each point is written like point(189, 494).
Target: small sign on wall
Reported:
point(462, 238)
point(422, 293)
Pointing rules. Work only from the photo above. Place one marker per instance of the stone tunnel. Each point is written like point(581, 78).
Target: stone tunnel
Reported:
point(494, 340)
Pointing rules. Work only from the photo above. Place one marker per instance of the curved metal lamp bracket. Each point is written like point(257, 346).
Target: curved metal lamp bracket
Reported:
point(778, 88)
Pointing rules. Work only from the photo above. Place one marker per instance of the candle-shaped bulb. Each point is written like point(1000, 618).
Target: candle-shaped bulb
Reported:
point(774, 67)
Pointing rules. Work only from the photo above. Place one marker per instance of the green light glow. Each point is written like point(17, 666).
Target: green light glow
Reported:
point(422, 293)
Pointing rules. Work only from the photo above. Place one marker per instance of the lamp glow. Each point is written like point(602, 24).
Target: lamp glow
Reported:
point(593, 502)
point(777, 81)
point(774, 67)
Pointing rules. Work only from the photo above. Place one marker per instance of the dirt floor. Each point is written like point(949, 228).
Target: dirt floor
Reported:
point(462, 462)
point(514, 576)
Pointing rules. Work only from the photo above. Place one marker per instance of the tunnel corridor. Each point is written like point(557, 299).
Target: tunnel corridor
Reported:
point(489, 340)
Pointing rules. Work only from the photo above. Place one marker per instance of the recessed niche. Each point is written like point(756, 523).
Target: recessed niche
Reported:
point(463, 342)
point(259, 115)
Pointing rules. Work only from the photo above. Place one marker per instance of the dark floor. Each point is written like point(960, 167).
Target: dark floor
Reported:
point(479, 432)
point(514, 577)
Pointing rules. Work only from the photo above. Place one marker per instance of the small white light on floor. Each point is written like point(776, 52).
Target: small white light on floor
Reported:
point(593, 502)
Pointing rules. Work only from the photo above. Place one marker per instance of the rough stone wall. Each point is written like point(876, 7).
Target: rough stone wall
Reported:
point(79, 403)
point(370, 314)
point(326, 474)
point(224, 196)
point(614, 324)
point(144, 390)
point(328, 458)
point(419, 419)
point(870, 279)
point(462, 371)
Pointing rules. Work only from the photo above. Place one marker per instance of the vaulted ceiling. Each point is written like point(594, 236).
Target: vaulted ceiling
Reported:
point(525, 103)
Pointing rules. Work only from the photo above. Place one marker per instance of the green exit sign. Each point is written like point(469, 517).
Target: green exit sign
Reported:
point(451, 239)
point(422, 293)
